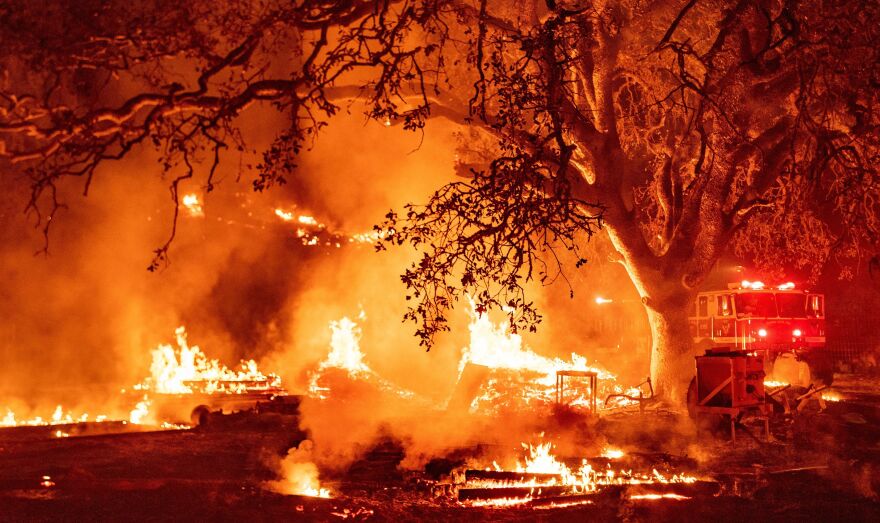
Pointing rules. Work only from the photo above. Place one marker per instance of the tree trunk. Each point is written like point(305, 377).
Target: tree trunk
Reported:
point(672, 362)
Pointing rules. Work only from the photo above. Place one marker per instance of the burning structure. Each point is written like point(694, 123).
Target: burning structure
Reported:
point(625, 147)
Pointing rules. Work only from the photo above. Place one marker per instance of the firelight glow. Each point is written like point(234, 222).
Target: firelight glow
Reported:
point(600, 300)
point(192, 204)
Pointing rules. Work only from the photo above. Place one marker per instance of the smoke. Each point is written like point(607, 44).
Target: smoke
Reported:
point(79, 324)
point(298, 474)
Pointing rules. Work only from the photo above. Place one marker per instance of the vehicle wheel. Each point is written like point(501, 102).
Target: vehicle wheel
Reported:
point(692, 398)
point(199, 416)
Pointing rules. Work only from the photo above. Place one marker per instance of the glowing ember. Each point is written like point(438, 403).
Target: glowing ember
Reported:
point(284, 215)
point(311, 231)
point(543, 470)
point(668, 495)
point(612, 453)
point(59, 417)
point(501, 502)
point(831, 395)
point(192, 204)
point(187, 369)
point(774, 384)
point(47, 482)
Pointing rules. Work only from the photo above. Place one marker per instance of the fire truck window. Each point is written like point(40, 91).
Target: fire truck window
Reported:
point(816, 306)
point(791, 305)
point(704, 306)
point(757, 304)
point(724, 306)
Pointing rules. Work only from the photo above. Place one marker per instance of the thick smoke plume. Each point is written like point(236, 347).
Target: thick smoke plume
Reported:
point(80, 322)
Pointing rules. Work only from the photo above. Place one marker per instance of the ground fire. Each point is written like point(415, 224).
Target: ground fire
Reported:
point(440, 260)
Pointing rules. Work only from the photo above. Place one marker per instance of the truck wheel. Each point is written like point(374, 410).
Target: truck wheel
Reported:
point(692, 398)
point(200, 415)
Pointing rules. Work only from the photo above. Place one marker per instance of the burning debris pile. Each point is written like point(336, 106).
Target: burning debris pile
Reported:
point(345, 361)
point(513, 377)
point(544, 480)
point(188, 369)
point(185, 370)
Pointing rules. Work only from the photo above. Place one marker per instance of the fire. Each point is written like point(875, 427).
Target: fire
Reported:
point(299, 475)
point(612, 453)
point(311, 231)
point(544, 471)
point(192, 204)
point(494, 346)
point(774, 384)
point(184, 370)
point(188, 369)
point(831, 395)
point(302, 479)
point(668, 495)
point(58, 417)
point(345, 354)
point(140, 411)
point(541, 461)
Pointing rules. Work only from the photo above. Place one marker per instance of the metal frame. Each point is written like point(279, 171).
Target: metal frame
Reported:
point(560, 385)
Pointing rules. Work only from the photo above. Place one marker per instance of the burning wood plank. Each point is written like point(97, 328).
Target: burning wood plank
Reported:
point(539, 495)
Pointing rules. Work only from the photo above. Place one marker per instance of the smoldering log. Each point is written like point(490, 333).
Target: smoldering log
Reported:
point(506, 475)
point(475, 494)
point(695, 489)
point(568, 493)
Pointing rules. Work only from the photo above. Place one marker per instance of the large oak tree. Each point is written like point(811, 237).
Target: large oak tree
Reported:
point(683, 128)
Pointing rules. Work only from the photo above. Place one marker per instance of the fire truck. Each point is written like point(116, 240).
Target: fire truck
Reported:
point(768, 320)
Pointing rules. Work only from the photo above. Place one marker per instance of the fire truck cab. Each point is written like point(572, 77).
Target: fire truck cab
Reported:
point(752, 317)
point(749, 316)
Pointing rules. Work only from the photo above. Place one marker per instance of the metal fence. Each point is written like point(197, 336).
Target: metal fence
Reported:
point(852, 353)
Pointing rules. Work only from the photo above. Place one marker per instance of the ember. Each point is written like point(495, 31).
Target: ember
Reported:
point(192, 204)
point(59, 417)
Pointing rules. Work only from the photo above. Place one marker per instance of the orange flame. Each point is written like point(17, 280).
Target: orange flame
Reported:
point(180, 371)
